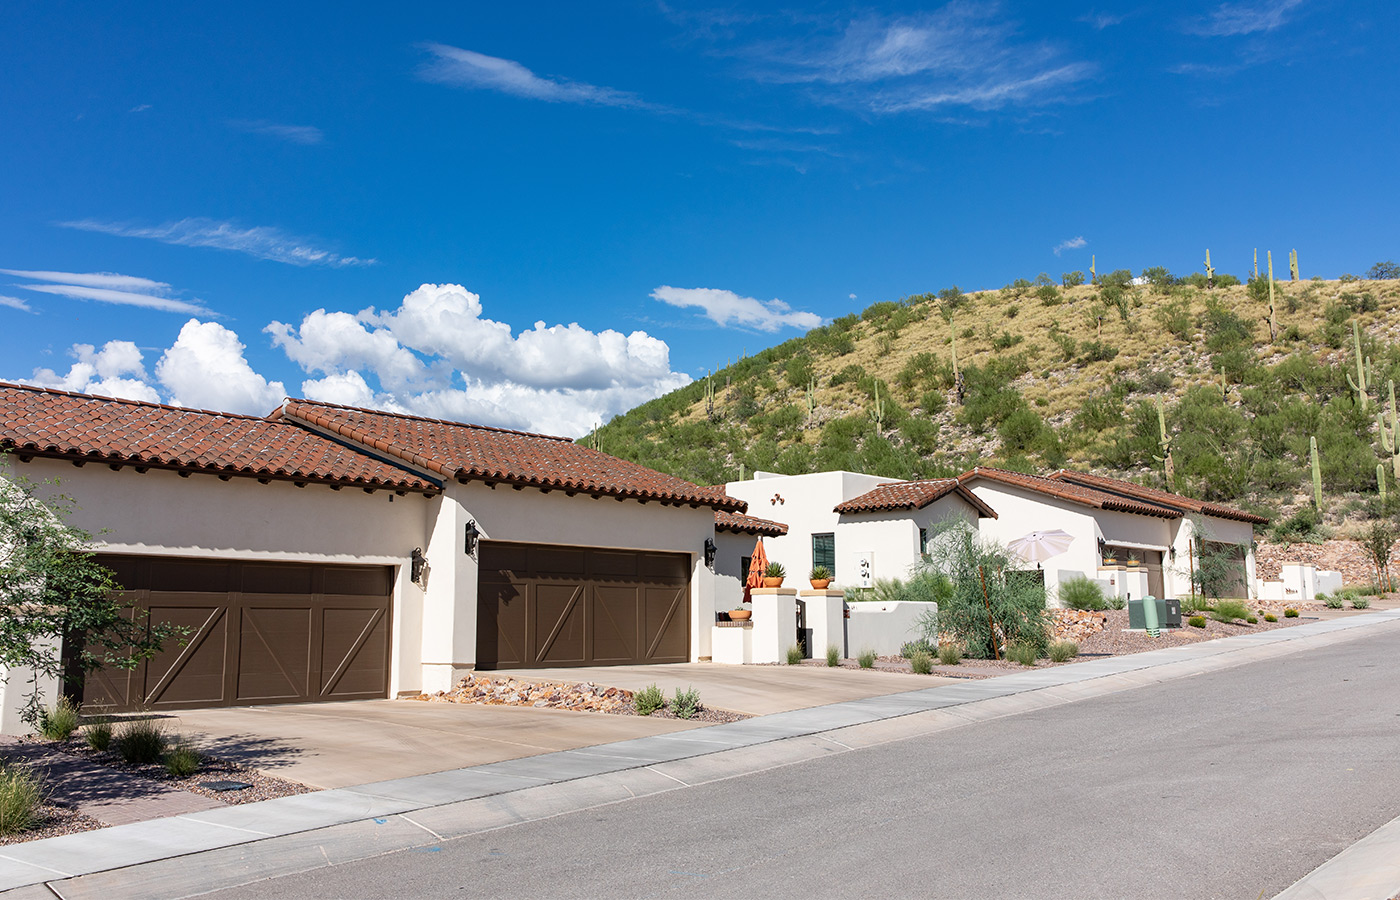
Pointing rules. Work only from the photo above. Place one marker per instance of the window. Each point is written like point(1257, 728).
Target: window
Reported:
point(824, 552)
point(923, 542)
point(744, 563)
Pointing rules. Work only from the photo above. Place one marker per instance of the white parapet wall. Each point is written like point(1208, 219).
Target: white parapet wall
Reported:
point(883, 627)
point(15, 687)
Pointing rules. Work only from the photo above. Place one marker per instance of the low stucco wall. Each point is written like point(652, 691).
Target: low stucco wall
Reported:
point(883, 627)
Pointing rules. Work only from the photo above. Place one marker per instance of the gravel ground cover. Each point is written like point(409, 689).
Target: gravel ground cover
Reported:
point(578, 696)
point(53, 820)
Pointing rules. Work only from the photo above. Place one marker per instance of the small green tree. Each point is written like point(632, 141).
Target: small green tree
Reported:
point(52, 589)
point(1379, 538)
point(1216, 568)
point(1384, 270)
point(987, 603)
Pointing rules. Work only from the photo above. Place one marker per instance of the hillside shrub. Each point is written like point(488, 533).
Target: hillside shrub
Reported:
point(1063, 651)
point(1072, 279)
point(1197, 621)
point(1082, 594)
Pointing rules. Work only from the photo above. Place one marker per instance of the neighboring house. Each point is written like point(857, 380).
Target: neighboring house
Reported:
point(327, 552)
point(1107, 516)
point(861, 527)
point(736, 535)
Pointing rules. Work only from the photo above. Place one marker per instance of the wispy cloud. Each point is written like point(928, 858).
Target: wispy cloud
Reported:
point(293, 134)
point(15, 303)
point(1073, 243)
point(106, 287)
point(263, 242)
point(468, 69)
point(1244, 18)
point(1099, 21)
point(960, 55)
point(142, 107)
point(726, 308)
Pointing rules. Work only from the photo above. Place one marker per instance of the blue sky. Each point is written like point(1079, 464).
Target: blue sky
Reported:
point(219, 204)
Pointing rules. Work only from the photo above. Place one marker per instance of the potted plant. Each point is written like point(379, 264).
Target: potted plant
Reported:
point(773, 575)
point(740, 614)
point(820, 577)
point(1133, 562)
point(1110, 558)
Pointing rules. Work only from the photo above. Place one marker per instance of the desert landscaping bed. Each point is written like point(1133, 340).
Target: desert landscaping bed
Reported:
point(580, 697)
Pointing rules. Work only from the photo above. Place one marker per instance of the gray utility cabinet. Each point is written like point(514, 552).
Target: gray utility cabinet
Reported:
point(1168, 613)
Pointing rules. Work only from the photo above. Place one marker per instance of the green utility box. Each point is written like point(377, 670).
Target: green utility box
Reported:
point(1168, 613)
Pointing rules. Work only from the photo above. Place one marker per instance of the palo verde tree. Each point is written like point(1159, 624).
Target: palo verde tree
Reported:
point(991, 603)
point(53, 589)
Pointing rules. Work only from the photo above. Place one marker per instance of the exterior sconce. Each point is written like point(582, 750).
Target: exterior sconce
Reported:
point(1103, 545)
point(471, 537)
point(710, 553)
point(418, 563)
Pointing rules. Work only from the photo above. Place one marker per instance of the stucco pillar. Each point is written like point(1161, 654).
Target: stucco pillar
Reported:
point(824, 612)
point(17, 684)
point(449, 600)
point(774, 623)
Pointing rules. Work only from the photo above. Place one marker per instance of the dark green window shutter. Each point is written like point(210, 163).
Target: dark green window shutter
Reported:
point(824, 552)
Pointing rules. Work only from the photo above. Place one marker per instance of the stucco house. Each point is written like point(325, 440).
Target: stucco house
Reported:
point(326, 552)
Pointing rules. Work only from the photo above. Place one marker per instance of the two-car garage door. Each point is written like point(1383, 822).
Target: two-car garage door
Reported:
point(256, 633)
point(545, 605)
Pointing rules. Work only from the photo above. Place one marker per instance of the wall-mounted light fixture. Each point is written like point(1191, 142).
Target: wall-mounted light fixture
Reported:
point(1103, 545)
point(472, 534)
point(418, 563)
point(710, 553)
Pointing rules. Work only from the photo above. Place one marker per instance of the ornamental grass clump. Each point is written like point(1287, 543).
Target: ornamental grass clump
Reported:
point(98, 735)
point(920, 663)
point(1024, 654)
point(649, 699)
point(949, 654)
point(183, 760)
point(1063, 651)
point(58, 722)
point(141, 741)
point(686, 703)
point(794, 655)
point(866, 659)
point(833, 655)
point(21, 793)
point(1228, 611)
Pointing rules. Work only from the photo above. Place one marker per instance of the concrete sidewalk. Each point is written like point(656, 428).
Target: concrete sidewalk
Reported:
point(200, 852)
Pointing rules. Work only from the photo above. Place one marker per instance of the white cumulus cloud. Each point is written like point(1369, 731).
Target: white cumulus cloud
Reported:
point(1073, 243)
point(205, 368)
point(114, 371)
point(728, 308)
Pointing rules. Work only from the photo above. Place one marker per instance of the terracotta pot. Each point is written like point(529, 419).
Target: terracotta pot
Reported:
point(739, 615)
point(819, 584)
point(772, 582)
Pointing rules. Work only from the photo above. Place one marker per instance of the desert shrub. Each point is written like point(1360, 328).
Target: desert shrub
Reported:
point(1176, 318)
point(686, 703)
point(1224, 328)
point(21, 792)
point(1384, 270)
point(1006, 340)
point(58, 722)
point(141, 741)
point(921, 645)
point(1116, 602)
point(1252, 620)
point(1290, 613)
point(1097, 351)
point(1072, 279)
point(1048, 295)
point(933, 402)
point(1360, 602)
point(794, 655)
point(1332, 601)
point(866, 658)
point(649, 699)
point(949, 654)
point(1229, 610)
point(98, 735)
point(921, 663)
point(1022, 654)
point(1303, 526)
point(982, 574)
point(1197, 621)
point(1082, 594)
point(1270, 617)
point(183, 760)
point(1063, 651)
point(833, 655)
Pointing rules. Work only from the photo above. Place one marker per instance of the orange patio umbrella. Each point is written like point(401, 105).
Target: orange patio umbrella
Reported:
point(758, 564)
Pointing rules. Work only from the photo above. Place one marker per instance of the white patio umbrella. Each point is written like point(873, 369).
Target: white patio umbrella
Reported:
point(1039, 546)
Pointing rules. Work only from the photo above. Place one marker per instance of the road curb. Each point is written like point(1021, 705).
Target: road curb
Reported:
point(259, 840)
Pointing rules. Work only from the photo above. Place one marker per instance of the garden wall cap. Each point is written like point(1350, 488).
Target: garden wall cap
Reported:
point(84, 428)
point(1074, 493)
point(912, 495)
point(501, 456)
point(1153, 495)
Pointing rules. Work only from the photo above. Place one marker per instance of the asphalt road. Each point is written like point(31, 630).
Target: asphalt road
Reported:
point(1231, 784)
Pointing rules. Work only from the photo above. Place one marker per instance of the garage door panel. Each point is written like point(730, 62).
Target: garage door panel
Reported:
point(614, 624)
point(559, 625)
point(189, 671)
point(665, 624)
point(272, 637)
point(582, 606)
point(354, 652)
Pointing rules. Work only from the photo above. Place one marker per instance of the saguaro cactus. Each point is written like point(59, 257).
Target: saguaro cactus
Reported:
point(1256, 262)
point(1292, 265)
point(1093, 274)
point(710, 396)
point(877, 412)
point(1380, 481)
point(1316, 473)
point(1363, 367)
point(1390, 435)
point(1273, 327)
point(595, 440)
point(1210, 271)
point(958, 390)
point(1165, 442)
point(811, 397)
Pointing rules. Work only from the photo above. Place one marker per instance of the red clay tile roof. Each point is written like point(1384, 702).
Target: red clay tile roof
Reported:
point(912, 495)
point(499, 455)
point(1152, 495)
point(82, 427)
point(1074, 493)
point(741, 524)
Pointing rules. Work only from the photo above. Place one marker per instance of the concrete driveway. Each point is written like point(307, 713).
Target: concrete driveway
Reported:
point(328, 745)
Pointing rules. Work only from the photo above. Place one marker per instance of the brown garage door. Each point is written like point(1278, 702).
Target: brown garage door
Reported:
point(257, 633)
point(543, 605)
